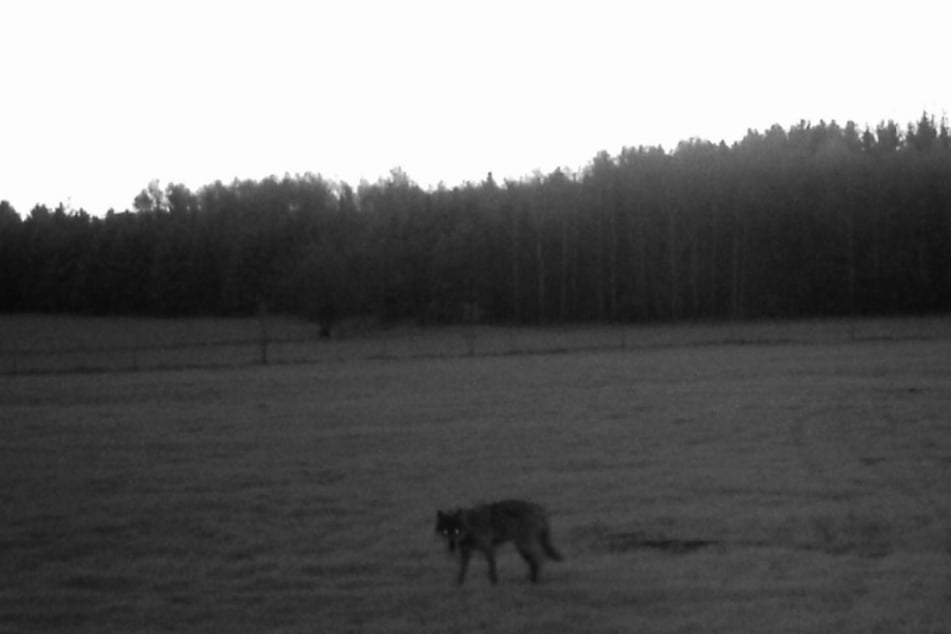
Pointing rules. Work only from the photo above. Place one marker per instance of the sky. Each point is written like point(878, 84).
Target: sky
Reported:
point(99, 97)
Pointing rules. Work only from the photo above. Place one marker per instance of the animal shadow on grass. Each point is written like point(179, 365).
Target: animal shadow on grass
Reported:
point(598, 537)
point(619, 542)
point(833, 535)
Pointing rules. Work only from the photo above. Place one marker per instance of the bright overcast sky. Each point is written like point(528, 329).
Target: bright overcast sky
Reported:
point(98, 98)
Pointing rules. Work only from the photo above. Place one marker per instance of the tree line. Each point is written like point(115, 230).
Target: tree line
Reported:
point(816, 220)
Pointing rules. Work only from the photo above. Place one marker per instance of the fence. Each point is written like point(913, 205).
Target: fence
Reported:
point(456, 342)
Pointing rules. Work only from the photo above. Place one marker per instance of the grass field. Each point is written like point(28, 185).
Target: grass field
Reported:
point(714, 488)
point(58, 344)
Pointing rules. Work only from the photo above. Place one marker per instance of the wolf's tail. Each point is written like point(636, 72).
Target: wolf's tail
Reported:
point(545, 540)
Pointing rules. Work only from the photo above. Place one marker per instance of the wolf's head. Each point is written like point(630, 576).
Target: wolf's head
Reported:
point(450, 526)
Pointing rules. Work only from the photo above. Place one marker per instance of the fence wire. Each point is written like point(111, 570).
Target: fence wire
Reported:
point(458, 342)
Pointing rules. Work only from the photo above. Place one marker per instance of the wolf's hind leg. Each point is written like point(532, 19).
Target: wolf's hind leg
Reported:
point(544, 538)
point(532, 560)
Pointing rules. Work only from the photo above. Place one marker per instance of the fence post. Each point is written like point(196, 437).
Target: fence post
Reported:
point(470, 337)
point(262, 315)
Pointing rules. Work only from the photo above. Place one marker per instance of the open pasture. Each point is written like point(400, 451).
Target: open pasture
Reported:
point(714, 488)
point(53, 344)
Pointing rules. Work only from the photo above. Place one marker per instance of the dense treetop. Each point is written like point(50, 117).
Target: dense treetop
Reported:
point(813, 220)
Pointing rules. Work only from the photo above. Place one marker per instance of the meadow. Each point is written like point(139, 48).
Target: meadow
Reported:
point(714, 487)
point(44, 344)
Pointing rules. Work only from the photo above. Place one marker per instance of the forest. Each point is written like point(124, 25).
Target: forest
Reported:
point(817, 220)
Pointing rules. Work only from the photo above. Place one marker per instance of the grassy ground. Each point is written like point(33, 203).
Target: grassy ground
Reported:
point(781, 488)
point(36, 344)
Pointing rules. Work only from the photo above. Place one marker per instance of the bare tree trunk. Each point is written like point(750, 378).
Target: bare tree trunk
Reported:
point(600, 274)
point(737, 283)
point(613, 264)
point(714, 308)
point(539, 260)
point(516, 292)
point(636, 236)
point(564, 264)
point(672, 251)
point(576, 278)
point(851, 229)
point(695, 277)
point(876, 252)
point(540, 263)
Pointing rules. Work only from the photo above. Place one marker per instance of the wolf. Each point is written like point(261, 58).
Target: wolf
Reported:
point(486, 526)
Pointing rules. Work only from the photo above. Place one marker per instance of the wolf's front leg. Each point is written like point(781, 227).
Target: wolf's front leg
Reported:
point(490, 557)
point(464, 554)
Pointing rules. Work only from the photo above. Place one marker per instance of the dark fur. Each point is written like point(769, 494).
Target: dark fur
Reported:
point(486, 526)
